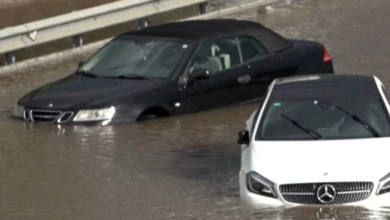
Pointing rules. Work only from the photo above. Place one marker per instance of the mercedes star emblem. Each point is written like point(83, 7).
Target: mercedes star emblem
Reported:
point(326, 194)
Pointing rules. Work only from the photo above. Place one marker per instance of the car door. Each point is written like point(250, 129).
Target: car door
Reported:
point(265, 66)
point(223, 60)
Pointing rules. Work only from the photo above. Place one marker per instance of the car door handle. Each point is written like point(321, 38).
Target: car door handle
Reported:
point(244, 79)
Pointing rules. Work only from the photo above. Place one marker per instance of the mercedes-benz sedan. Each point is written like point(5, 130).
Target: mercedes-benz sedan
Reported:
point(318, 140)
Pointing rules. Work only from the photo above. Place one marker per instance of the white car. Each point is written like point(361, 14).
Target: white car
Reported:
point(318, 140)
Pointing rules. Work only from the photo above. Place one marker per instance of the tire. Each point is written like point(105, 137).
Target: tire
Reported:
point(146, 117)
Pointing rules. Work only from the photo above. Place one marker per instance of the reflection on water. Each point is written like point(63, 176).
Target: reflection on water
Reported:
point(182, 167)
point(173, 166)
point(321, 213)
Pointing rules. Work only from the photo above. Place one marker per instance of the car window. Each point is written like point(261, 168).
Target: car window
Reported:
point(252, 49)
point(217, 56)
point(147, 57)
point(323, 117)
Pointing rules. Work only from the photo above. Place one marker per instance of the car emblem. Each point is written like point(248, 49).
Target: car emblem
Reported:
point(326, 194)
point(50, 105)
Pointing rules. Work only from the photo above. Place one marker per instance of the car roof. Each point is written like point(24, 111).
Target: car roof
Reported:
point(205, 30)
point(326, 86)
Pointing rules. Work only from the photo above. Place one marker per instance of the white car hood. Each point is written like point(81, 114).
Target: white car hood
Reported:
point(321, 161)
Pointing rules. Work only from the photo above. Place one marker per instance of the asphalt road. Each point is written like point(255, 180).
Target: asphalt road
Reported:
point(175, 168)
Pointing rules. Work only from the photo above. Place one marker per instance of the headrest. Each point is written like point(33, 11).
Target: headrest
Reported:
point(215, 50)
point(208, 50)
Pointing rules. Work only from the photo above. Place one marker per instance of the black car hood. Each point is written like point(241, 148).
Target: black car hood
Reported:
point(84, 92)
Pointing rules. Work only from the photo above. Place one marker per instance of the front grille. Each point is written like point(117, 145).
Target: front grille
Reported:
point(65, 117)
point(312, 187)
point(47, 116)
point(44, 116)
point(308, 193)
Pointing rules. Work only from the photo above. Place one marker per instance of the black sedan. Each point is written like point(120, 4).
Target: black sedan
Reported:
point(173, 69)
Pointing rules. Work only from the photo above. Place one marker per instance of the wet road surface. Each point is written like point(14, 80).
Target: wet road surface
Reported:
point(182, 167)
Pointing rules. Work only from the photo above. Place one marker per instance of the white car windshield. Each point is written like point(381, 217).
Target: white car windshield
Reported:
point(324, 119)
point(136, 57)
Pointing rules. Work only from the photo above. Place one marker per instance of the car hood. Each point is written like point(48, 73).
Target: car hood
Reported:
point(83, 92)
point(321, 161)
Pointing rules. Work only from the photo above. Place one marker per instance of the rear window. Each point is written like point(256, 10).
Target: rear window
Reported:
point(323, 119)
point(251, 49)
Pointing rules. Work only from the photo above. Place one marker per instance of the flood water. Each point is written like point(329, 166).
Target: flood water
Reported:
point(183, 167)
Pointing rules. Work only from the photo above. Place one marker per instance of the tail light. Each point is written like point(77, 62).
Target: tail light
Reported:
point(327, 57)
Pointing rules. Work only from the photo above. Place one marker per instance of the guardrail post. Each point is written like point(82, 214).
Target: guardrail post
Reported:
point(143, 23)
point(203, 8)
point(10, 58)
point(78, 41)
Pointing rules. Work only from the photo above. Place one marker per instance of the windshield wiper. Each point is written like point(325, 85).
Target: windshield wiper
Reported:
point(132, 76)
point(305, 129)
point(88, 73)
point(369, 128)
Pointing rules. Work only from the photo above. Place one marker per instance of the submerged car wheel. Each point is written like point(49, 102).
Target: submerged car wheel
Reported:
point(146, 117)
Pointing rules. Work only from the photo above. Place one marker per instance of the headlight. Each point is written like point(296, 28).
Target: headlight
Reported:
point(384, 185)
point(260, 185)
point(95, 115)
point(18, 111)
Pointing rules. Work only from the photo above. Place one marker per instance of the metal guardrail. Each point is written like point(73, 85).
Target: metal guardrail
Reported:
point(77, 23)
point(242, 6)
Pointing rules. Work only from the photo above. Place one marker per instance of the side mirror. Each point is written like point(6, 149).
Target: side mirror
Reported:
point(197, 74)
point(243, 137)
point(81, 64)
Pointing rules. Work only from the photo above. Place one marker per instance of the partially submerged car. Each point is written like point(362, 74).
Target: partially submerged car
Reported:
point(173, 69)
point(318, 140)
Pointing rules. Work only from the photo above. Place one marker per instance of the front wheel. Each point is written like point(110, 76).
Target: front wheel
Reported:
point(146, 117)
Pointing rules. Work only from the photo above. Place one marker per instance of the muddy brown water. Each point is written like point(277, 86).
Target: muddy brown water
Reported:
point(183, 167)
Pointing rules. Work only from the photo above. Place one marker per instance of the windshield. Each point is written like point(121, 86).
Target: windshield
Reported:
point(151, 58)
point(323, 119)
